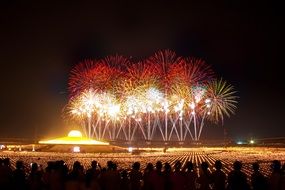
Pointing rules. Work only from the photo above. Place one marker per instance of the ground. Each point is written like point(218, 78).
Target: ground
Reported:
point(227, 155)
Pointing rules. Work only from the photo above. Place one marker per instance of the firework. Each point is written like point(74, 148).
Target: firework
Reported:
point(165, 63)
point(223, 99)
point(165, 94)
point(79, 77)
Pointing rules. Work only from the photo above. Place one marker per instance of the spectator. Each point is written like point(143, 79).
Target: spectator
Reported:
point(135, 177)
point(258, 180)
point(147, 177)
point(283, 177)
point(110, 179)
point(5, 174)
point(92, 176)
point(205, 177)
point(167, 176)
point(177, 177)
point(275, 179)
point(75, 178)
point(219, 177)
point(157, 178)
point(237, 180)
point(57, 175)
point(190, 176)
point(125, 181)
point(35, 178)
point(19, 176)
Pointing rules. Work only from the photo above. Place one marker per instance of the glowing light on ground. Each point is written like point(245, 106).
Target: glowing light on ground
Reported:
point(130, 149)
point(76, 149)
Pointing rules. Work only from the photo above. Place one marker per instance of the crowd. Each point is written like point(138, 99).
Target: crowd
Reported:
point(57, 176)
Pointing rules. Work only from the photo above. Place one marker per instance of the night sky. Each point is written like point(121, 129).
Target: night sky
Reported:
point(40, 43)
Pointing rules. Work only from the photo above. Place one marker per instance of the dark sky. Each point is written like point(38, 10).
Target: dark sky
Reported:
point(39, 43)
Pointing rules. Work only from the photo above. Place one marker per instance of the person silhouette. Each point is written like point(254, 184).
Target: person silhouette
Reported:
point(177, 178)
point(275, 179)
point(205, 177)
point(219, 177)
point(258, 180)
point(148, 172)
point(157, 178)
point(135, 177)
point(167, 174)
point(19, 176)
point(92, 175)
point(237, 180)
point(5, 173)
point(125, 181)
point(190, 176)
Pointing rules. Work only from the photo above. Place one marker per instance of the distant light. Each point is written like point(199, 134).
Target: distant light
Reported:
point(76, 149)
point(33, 148)
point(2, 146)
point(239, 142)
point(130, 149)
point(251, 141)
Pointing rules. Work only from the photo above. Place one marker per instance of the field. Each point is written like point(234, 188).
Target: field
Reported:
point(228, 155)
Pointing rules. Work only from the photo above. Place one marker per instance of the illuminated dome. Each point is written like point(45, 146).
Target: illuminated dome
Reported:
point(73, 137)
point(74, 133)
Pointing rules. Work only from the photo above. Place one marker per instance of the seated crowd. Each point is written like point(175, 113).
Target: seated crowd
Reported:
point(57, 176)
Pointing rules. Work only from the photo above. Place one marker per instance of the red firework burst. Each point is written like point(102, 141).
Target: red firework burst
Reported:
point(164, 63)
point(79, 75)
